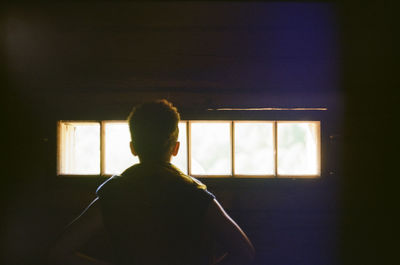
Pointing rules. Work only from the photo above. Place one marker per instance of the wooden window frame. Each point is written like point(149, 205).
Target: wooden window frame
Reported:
point(102, 123)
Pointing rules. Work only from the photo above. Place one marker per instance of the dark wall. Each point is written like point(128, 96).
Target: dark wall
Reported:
point(368, 189)
point(94, 60)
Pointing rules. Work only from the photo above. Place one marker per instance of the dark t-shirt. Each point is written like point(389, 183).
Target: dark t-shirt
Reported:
point(154, 214)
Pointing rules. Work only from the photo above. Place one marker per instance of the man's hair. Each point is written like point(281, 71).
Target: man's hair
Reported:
point(154, 129)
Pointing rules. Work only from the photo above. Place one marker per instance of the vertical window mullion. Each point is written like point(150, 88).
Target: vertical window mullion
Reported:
point(275, 136)
point(60, 148)
point(233, 148)
point(188, 149)
point(102, 148)
point(318, 136)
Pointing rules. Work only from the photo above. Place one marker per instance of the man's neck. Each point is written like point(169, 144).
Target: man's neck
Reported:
point(151, 161)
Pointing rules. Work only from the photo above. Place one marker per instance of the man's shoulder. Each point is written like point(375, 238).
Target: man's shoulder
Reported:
point(102, 189)
point(115, 180)
point(165, 176)
point(186, 180)
point(193, 186)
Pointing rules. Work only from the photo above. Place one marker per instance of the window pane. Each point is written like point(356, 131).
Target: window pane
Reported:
point(180, 160)
point(118, 156)
point(298, 148)
point(80, 148)
point(254, 148)
point(210, 148)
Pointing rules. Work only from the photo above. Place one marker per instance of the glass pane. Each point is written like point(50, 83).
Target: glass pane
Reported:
point(180, 160)
point(80, 148)
point(210, 148)
point(298, 148)
point(118, 156)
point(254, 148)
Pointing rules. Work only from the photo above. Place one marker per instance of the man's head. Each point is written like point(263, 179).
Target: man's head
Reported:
point(154, 130)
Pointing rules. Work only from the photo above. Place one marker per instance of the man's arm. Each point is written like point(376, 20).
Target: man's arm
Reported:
point(64, 251)
point(234, 241)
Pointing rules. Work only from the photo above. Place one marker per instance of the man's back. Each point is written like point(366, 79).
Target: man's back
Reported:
point(154, 214)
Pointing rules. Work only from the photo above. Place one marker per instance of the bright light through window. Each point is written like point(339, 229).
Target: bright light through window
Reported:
point(258, 148)
point(79, 148)
point(298, 148)
point(118, 156)
point(210, 148)
point(254, 148)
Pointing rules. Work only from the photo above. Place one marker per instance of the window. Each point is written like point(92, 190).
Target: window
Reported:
point(207, 148)
point(298, 148)
point(79, 146)
point(254, 148)
point(210, 148)
point(117, 153)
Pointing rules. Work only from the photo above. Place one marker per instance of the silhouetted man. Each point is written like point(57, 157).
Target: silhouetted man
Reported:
point(153, 213)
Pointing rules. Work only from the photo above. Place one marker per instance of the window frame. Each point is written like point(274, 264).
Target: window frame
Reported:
point(189, 139)
point(274, 175)
point(319, 151)
point(188, 123)
point(60, 146)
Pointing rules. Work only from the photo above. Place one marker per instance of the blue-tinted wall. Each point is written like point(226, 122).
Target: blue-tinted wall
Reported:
point(94, 61)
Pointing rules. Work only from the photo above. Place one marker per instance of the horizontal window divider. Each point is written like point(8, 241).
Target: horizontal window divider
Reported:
point(211, 176)
point(253, 176)
point(81, 175)
point(297, 176)
point(207, 176)
point(110, 175)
